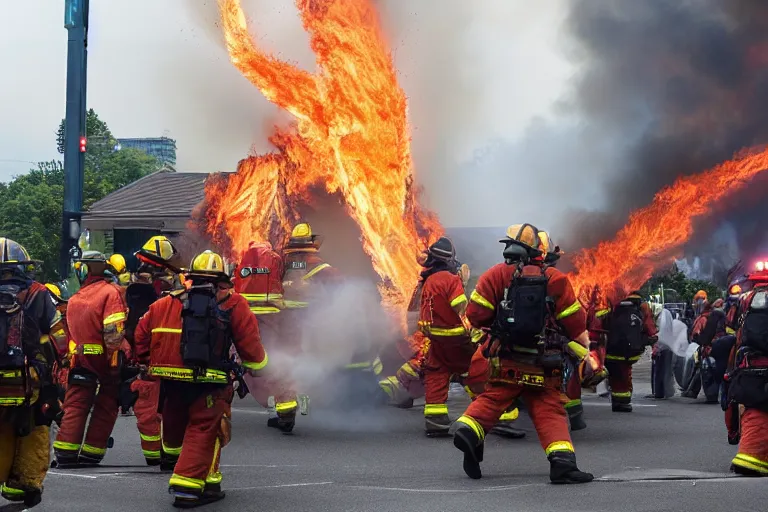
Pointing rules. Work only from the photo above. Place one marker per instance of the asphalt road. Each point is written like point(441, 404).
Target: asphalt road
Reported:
point(667, 455)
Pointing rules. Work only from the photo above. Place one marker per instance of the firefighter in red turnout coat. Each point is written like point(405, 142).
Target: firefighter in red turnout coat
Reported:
point(450, 349)
point(186, 337)
point(630, 329)
point(259, 279)
point(747, 386)
point(512, 300)
point(96, 317)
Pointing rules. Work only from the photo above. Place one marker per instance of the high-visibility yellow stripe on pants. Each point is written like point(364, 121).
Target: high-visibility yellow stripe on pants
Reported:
point(559, 446)
point(572, 403)
point(748, 462)
point(11, 491)
point(435, 409)
point(70, 447)
point(473, 424)
point(183, 481)
point(149, 439)
point(214, 475)
point(92, 450)
point(151, 454)
point(173, 452)
point(510, 415)
point(284, 407)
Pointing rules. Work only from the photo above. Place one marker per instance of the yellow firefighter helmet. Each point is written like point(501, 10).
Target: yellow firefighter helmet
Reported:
point(55, 290)
point(525, 234)
point(117, 263)
point(208, 264)
point(302, 230)
point(12, 252)
point(158, 250)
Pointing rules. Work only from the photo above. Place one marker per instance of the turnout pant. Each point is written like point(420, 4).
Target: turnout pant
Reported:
point(620, 379)
point(407, 383)
point(443, 359)
point(279, 338)
point(147, 418)
point(23, 460)
point(572, 396)
point(196, 425)
point(544, 405)
point(74, 444)
point(753, 446)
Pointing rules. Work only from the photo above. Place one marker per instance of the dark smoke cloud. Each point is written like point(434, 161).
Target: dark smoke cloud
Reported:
point(686, 84)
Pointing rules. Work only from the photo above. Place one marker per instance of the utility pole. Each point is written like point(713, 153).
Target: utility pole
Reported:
point(76, 23)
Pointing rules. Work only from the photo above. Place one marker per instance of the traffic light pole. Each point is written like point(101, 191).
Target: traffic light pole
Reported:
point(76, 23)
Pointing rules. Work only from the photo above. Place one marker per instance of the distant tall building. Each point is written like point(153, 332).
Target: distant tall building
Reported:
point(162, 148)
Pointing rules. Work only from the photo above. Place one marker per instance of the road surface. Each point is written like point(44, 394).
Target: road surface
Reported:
point(667, 455)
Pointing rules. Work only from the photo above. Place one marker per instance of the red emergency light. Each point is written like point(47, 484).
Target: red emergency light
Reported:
point(83, 142)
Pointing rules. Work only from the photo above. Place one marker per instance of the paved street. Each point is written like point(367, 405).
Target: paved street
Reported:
point(670, 455)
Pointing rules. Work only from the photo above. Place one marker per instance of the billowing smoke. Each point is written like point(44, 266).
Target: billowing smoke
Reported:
point(682, 85)
point(312, 350)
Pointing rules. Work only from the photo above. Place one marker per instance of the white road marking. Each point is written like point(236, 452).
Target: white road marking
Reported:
point(601, 404)
point(91, 477)
point(250, 411)
point(455, 491)
point(305, 484)
point(259, 465)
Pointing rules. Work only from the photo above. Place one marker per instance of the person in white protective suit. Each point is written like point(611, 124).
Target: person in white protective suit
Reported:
point(672, 345)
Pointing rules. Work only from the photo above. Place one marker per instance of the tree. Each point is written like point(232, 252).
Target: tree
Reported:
point(678, 288)
point(31, 204)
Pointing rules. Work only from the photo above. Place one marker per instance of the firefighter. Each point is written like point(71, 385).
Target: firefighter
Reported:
point(699, 301)
point(747, 387)
point(96, 317)
point(630, 329)
point(448, 346)
point(407, 383)
point(709, 327)
point(186, 338)
point(28, 396)
point(304, 265)
point(259, 279)
point(60, 336)
point(525, 349)
point(153, 277)
point(119, 269)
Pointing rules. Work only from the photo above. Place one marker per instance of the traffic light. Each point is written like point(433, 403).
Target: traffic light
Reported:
point(83, 142)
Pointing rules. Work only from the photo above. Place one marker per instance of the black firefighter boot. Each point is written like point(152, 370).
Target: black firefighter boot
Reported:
point(621, 403)
point(437, 425)
point(183, 498)
point(466, 439)
point(505, 426)
point(563, 469)
point(575, 410)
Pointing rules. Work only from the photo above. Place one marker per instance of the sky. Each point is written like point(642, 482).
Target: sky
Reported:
point(485, 84)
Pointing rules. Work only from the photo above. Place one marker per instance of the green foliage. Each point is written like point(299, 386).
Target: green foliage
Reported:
point(31, 204)
point(678, 288)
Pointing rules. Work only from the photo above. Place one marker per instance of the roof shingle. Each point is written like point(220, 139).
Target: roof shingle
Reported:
point(162, 194)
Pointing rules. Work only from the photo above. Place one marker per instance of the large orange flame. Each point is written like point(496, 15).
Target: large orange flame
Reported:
point(655, 234)
point(350, 135)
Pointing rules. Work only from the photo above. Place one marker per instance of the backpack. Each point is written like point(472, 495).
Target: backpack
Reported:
point(205, 337)
point(138, 298)
point(17, 339)
point(754, 329)
point(260, 274)
point(521, 317)
point(625, 334)
point(715, 324)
